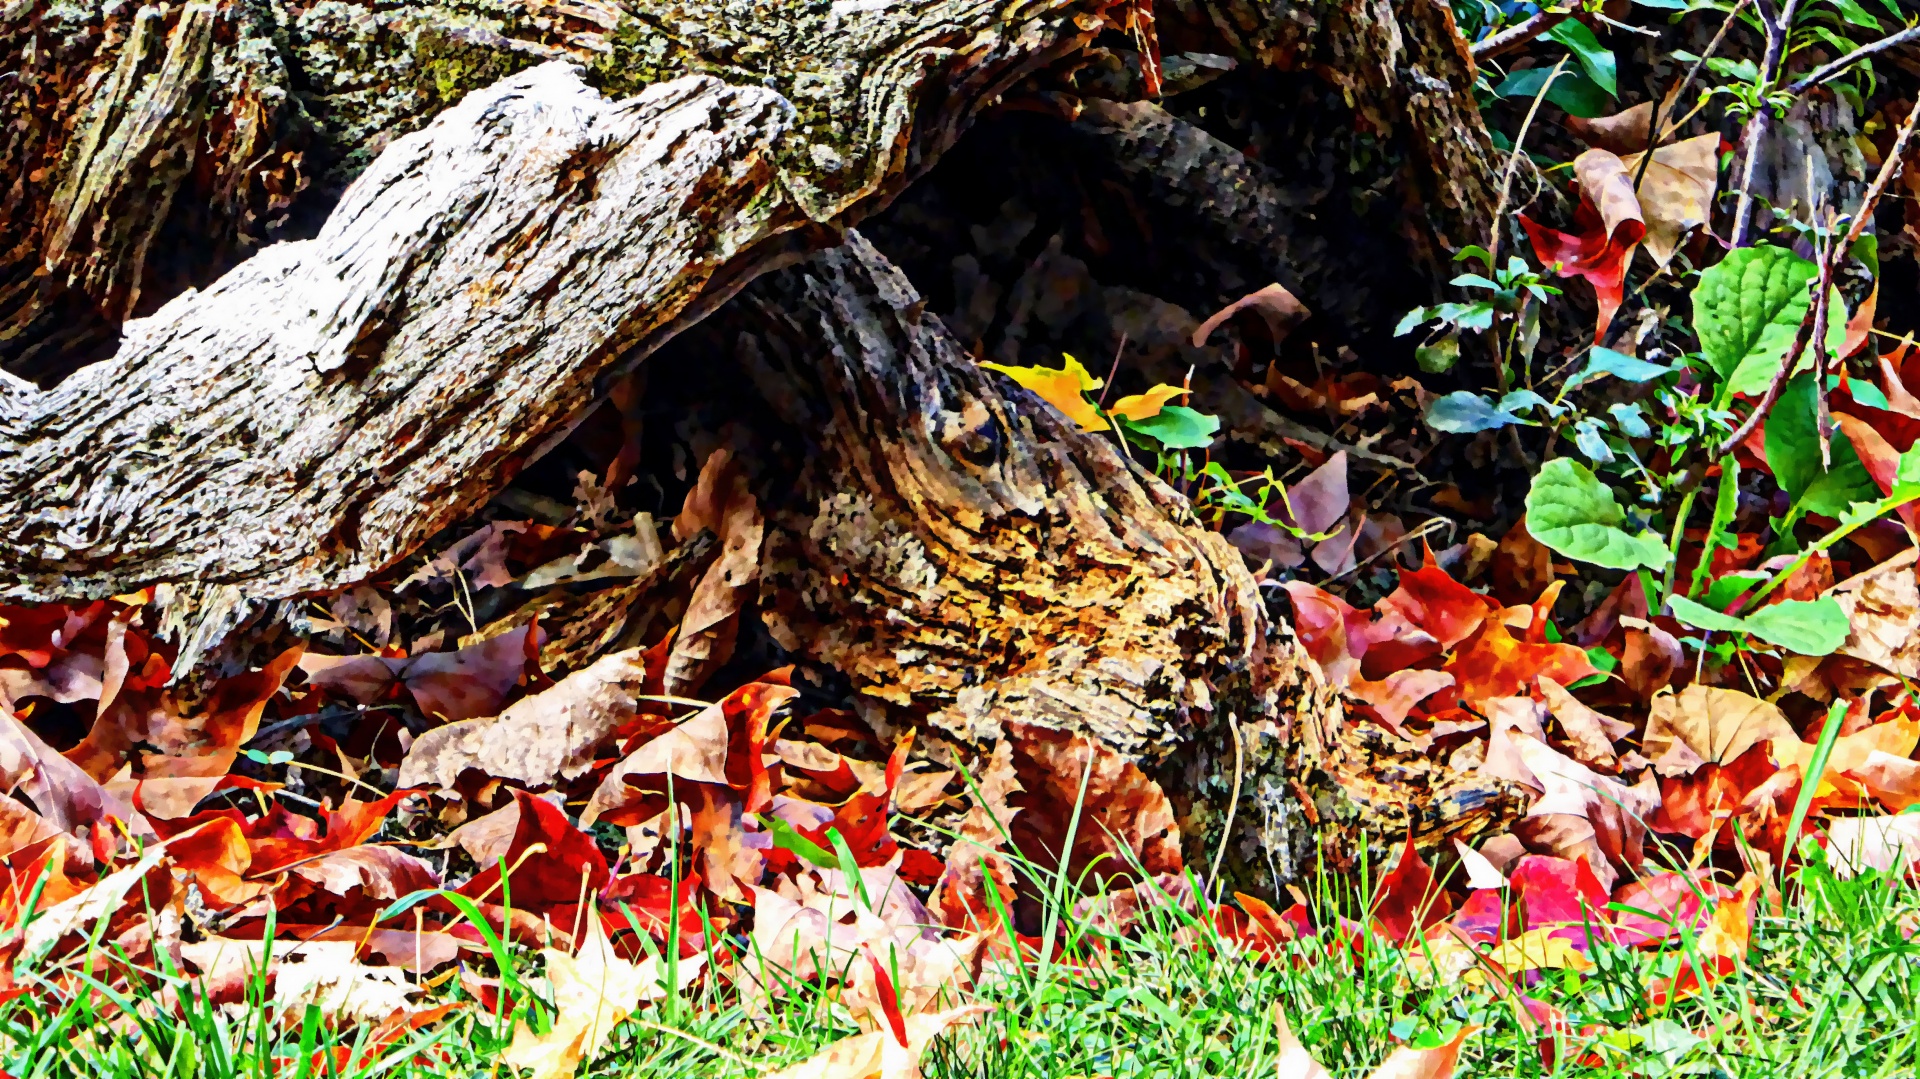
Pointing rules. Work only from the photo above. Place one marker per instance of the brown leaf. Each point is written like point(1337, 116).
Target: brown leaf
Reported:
point(1649, 658)
point(1676, 195)
point(720, 503)
point(1589, 733)
point(463, 684)
point(1883, 607)
point(1522, 566)
point(1277, 307)
point(541, 739)
point(1623, 132)
point(1707, 724)
point(65, 795)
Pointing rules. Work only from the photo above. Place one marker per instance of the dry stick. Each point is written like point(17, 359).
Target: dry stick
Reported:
point(1827, 71)
point(1680, 92)
point(1889, 168)
point(1762, 121)
point(1500, 208)
point(1517, 35)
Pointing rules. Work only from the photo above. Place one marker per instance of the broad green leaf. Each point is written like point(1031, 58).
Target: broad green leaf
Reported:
point(1177, 427)
point(1746, 310)
point(1793, 452)
point(1700, 616)
point(1630, 419)
point(1605, 361)
point(1572, 512)
point(1810, 627)
point(1851, 11)
point(1463, 413)
point(1573, 91)
point(1594, 58)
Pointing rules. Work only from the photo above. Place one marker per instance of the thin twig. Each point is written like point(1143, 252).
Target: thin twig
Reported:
point(1827, 71)
point(1889, 168)
point(1761, 123)
point(1519, 34)
point(1233, 803)
point(1680, 92)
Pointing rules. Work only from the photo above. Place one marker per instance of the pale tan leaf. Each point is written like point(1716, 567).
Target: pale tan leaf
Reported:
point(1676, 195)
point(878, 1055)
point(695, 750)
point(1589, 733)
point(593, 991)
point(1480, 872)
point(1707, 724)
point(1883, 607)
point(1295, 1061)
point(1407, 1062)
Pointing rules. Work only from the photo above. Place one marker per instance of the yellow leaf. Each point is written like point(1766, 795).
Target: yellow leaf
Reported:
point(1143, 406)
point(877, 1054)
point(1064, 388)
point(1536, 949)
point(592, 992)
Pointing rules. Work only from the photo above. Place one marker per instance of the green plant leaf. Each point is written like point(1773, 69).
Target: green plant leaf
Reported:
point(786, 838)
point(1595, 59)
point(1464, 413)
point(1573, 91)
point(1572, 512)
point(1811, 627)
point(1726, 502)
point(1176, 427)
point(1701, 616)
point(1793, 452)
point(1440, 356)
point(1746, 310)
point(1605, 361)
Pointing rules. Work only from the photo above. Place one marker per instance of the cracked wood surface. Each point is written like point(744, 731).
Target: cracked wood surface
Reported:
point(962, 552)
point(319, 410)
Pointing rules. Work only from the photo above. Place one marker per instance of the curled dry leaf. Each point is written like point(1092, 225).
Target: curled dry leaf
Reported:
point(1608, 226)
point(463, 684)
point(542, 739)
point(1589, 733)
point(1856, 844)
point(1277, 307)
point(66, 795)
point(719, 503)
point(1709, 725)
point(1405, 1062)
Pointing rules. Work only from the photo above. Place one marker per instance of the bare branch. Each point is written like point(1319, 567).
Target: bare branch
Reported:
point(1513, 37)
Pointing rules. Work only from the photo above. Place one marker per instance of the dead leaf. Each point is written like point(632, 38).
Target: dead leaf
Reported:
point(1277, 307)
point(1608, 226)
point(1709, 725)
point(593, 991)
point(1676, 194)
point(540, 739)
point(1855, 844)
point(1883, 607)
point(719, 503)
point(471, 682)
point(1589, 733)
point(1065, 388)
point(1623, 132)
point(877, 1055)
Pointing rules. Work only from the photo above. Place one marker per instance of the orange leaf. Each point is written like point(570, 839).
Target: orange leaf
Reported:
point(1064, 388)
point(1494, 664)
point(1143, 406)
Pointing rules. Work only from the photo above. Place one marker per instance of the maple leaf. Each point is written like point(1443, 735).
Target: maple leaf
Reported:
point(1709, 725)
point(1494, 664)
point(1065, 388)
point(594, 990)
point(1408, 899)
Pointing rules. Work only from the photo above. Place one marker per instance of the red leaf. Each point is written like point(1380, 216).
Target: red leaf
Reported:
point(1408, 900)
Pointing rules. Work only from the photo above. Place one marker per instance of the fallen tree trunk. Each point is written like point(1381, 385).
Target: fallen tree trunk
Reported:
point(313, 414)
point(963, 553)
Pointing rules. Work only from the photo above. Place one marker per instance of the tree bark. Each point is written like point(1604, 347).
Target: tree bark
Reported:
point(234, 378)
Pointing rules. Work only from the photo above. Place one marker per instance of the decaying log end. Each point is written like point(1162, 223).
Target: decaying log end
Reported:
point(963, 553)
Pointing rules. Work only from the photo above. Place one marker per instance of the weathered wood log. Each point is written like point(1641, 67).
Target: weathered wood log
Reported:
point(962, 552)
